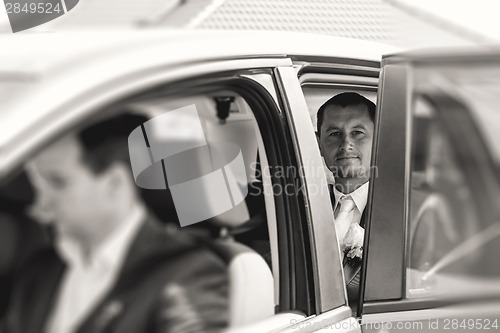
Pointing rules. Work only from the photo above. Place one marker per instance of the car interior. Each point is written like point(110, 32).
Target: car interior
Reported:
point(242, 236)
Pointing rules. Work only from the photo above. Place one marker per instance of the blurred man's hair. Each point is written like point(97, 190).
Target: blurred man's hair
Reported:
point(345, 99)
point(106, 142)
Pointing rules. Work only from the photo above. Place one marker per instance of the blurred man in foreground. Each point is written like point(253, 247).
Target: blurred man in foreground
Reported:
point(345, 134)
point(113, 268)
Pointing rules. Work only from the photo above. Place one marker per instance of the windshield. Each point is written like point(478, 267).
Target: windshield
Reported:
point(454, 229)
point(481, 90)
point(478, 87)
point(10, 120)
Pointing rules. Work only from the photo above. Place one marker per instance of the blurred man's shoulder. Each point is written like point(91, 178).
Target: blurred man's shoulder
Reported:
point(175, 246)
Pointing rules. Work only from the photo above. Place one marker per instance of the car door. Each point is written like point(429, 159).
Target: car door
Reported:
point(301, 87)
point(433, 237)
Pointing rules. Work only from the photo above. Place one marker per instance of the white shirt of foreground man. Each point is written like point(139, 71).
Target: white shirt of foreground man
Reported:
point(359, 197)
point(89, 278)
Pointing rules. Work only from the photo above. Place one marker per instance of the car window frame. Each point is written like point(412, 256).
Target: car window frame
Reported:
point(387, 293)
point(390, 156)
point(343, 74)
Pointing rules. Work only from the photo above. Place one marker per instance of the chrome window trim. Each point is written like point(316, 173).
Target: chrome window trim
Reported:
point(274, 323)
point(472, 310)
point(338, 318)
point(270, 209)
point(338, 79)
point(346, 86)
point(325, 251)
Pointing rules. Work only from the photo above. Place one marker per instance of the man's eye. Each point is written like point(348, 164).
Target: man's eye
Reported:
point(357, 133)
point(56, 182)
point(336, 133)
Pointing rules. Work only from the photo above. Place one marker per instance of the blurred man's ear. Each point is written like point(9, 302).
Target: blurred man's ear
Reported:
point(118, 177)
point(317, 139)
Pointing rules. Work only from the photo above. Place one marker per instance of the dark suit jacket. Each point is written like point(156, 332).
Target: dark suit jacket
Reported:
point(168, 283)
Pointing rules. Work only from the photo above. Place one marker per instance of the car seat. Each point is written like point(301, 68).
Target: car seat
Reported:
point(251, 284)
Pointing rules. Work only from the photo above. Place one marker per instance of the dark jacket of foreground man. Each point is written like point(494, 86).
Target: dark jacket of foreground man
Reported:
point(168, 283)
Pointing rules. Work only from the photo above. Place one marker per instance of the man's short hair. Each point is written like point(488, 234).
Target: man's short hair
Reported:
point(345, 99)
point(106, 142)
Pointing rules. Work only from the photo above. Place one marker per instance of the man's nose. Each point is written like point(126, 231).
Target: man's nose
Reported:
point(346, 143)
point(43, 207)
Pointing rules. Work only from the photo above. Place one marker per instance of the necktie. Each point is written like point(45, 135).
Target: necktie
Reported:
point(343, 216)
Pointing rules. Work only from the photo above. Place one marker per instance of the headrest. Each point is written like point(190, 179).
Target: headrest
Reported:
point(251, 286)
point(248, 214)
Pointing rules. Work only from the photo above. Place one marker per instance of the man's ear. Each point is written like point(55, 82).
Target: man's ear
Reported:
point(317, 139)
point(118, 176)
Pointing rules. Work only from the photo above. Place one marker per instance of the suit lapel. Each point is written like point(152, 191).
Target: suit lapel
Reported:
point(363, 218)
point(112, 306)
point(149, 246)
point(351, 269)
point(332, 195)
point(40, 301)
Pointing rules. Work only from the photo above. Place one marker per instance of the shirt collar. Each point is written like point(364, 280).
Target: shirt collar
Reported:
point(113, 249)
point(359, 196)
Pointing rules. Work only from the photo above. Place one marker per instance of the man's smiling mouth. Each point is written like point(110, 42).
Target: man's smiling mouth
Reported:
point(346, 158)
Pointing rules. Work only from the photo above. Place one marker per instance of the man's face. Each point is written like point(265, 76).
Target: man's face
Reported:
point(345, 141)
point(67, 190)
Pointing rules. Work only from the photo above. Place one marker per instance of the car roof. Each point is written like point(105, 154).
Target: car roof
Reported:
point(42, 52)
point(40, 72)
point(474, 53)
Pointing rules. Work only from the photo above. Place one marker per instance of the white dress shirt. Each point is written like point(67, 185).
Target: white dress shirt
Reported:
point(88, 279)
point(359, 196)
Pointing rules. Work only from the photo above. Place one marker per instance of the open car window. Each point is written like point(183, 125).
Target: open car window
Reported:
point(256, 209)
point(454, 229)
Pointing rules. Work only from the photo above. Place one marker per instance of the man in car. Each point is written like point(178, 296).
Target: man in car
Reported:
point(345, 126)
point(113, 268)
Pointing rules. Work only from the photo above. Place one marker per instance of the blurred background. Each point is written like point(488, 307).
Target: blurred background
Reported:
point(402, 23)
